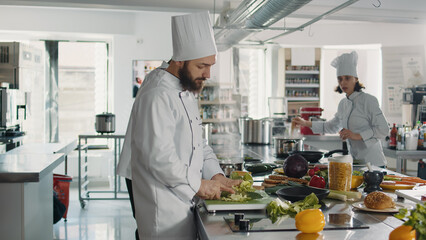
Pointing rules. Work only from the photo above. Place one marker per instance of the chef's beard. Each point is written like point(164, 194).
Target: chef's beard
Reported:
point(188, 83)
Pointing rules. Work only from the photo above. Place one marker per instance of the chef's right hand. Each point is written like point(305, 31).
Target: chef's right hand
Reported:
point(301, 122)
point(211, 189)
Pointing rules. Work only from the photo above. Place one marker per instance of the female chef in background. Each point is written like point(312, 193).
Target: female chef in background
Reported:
point(359, 119)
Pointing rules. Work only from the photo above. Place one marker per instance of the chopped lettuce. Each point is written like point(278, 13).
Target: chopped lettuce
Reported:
point(278, 208)
point(245, 177)
point(243, 193)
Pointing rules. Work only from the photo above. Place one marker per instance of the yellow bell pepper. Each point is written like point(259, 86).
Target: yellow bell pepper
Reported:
point(356, 181)
point(310, 221)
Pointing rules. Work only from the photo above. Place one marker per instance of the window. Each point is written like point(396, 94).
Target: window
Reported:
point(83, 87)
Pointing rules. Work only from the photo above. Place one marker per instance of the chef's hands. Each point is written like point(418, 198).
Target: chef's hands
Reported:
point(297, 121)
point(227, 181)
point(348, 134)
point(211, 189)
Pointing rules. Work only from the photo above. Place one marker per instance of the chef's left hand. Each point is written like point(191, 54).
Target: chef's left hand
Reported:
point(226, 181)
point(348, 134)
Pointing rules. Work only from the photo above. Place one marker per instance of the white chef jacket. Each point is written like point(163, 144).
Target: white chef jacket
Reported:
point(123, 167)
point(168, 157)
point(360, 113)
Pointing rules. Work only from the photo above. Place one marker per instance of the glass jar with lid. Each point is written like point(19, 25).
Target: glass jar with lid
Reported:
point(340, 172)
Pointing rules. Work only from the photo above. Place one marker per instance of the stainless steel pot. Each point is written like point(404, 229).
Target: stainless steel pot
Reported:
point(105, 123)
point(284, 146)
point(229, 165)
point(261, 131)
point(244, 128)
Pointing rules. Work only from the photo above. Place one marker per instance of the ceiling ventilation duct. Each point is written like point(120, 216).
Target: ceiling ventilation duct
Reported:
point(252, 14)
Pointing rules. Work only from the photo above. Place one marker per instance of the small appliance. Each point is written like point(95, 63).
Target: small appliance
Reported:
point(312, 114)
point(414, 104)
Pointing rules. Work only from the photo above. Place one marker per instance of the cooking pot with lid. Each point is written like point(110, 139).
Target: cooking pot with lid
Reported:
point(284, 146)
point(261, 131)
point(105, 123)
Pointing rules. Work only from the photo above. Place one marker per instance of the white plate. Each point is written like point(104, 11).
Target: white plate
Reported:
point(361, 206)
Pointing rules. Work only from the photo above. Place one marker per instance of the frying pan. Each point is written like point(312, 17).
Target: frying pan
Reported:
point(315, 156)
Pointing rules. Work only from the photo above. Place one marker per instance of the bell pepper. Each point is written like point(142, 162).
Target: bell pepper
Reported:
point(317, 181)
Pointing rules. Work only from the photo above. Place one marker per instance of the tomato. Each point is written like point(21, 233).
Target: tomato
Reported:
point(403, 232)
point(310, 221)
point(311, 172)
point(317, 181)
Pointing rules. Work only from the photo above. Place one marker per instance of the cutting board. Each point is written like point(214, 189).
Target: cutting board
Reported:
point(256, 204)
point(413, 195)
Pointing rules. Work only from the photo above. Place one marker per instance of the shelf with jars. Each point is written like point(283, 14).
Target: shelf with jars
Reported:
point(301, 83)
point(216, 103)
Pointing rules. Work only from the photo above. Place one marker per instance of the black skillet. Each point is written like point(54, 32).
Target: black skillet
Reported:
point(315, 156)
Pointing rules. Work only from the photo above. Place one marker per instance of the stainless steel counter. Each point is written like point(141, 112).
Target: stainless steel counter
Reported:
point(26, 186)
point(63, 147)
point(47, 148)
point(27, 167)
point(213, 226)
point(401, 157)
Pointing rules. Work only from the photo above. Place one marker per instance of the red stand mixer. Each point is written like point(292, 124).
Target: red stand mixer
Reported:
point(312, 114)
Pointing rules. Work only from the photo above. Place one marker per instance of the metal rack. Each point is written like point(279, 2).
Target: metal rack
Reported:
point(83, 165)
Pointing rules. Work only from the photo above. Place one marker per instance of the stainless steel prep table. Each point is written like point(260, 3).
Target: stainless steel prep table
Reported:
point(401, 157)
point(83, 181)
point(26, 199)
point(213, 226)
point(65, 148)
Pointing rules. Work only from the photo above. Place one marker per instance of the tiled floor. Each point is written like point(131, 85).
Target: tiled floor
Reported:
point(99, 220)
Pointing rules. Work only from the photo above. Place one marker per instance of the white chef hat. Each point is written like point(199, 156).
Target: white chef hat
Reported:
point(192, 36)
point(345, 64)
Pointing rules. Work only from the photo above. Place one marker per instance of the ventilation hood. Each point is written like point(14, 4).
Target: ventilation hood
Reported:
point(252, 16)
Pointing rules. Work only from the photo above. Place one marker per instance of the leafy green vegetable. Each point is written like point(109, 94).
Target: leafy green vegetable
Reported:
point(277, 208)
point(389, 178)
point(245, 177)
point(358, 173)
point(243, 193)
point(416, 219)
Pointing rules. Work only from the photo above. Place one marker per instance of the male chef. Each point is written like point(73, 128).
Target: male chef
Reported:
point(170, 161)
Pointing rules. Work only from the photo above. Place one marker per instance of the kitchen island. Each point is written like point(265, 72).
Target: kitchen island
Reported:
point(213, 225)
point(26, 199)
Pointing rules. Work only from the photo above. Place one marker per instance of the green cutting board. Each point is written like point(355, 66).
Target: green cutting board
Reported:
point(256, 204)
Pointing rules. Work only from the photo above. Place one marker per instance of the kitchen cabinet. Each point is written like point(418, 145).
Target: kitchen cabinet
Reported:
point(26, 199)
point(301, 83)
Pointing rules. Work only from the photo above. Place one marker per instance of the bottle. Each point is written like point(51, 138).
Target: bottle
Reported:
point(393, 135)
point(400, 138)
point(422, 135)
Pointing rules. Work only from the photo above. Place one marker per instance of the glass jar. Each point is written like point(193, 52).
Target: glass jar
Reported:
point(340, 173)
